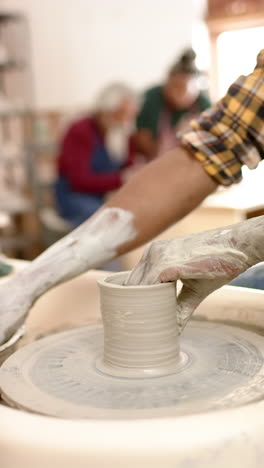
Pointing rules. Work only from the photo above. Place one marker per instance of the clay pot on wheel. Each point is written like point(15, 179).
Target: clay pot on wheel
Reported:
point(141, 336)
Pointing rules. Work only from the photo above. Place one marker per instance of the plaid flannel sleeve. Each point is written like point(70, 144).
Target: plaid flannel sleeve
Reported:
point(231, 133)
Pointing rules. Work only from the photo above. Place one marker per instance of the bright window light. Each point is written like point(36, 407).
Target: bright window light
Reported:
point(237, 52)
point(201, 45)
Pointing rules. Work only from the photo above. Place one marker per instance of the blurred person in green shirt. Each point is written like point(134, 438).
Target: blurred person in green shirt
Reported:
point(168, 108)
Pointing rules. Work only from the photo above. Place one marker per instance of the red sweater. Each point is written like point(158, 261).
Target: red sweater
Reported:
point(75, 159)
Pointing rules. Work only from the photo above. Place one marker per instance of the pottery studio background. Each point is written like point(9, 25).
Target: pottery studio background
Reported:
point(57, 55)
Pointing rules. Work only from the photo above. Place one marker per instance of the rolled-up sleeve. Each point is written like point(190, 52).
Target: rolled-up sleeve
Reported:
point(231, 133)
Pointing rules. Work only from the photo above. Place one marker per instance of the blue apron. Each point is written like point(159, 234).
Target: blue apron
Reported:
point(76, 207)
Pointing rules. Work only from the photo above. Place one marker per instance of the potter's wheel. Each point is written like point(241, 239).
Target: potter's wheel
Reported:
point(222, 367)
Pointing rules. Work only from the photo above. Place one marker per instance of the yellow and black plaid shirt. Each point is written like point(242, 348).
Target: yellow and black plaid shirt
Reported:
point(231, 133)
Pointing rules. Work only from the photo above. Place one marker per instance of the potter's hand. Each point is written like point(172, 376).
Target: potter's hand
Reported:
point(203, 262)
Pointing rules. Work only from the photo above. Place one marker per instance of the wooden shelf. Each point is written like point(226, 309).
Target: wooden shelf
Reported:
point(13, 203)
point(12, 65)
point(5, 16)
point(39, 148)
point(17, 201)
point(16, 242)
point(13, 113)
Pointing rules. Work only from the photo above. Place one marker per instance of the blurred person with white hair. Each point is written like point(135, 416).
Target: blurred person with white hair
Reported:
point(96, 154)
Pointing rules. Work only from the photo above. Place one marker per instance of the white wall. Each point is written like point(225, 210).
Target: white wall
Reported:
point(79, 45)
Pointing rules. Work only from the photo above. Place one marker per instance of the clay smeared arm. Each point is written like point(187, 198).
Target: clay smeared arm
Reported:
point(156, 197)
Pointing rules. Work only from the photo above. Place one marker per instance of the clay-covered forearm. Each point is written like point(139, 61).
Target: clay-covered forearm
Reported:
point(248, 237)
point(90, 245)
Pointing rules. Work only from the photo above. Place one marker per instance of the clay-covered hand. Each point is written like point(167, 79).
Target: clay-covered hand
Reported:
point(203, 262)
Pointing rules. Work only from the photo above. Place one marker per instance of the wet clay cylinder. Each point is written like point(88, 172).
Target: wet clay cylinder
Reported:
point(141, 335)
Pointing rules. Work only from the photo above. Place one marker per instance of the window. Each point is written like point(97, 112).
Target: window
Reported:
point(236, 54)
